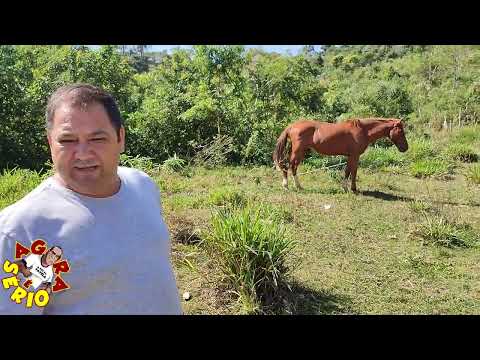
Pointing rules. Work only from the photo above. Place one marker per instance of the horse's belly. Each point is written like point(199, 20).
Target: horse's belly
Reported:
point(327, 148)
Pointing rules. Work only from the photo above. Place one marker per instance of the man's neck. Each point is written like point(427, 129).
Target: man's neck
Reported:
point(109, 190)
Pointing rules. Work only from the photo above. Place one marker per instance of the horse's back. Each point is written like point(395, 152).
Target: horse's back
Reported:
point(338, 138)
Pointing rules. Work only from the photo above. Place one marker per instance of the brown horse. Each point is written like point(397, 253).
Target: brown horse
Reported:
point(350, 138)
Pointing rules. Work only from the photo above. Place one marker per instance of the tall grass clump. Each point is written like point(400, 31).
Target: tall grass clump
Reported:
point(461, 152)
point(251, 253)
point(473, 174)
point(421, 149)
point(174, 164)
point(226, 196)
point(442, 232)
point(430, 167)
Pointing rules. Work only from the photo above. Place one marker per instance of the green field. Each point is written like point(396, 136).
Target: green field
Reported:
point(408, 243)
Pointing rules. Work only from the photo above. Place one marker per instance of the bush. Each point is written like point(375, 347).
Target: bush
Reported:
point(214, 154)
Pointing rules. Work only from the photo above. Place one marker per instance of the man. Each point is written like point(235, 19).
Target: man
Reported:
point(107, 219)
point(38, 268)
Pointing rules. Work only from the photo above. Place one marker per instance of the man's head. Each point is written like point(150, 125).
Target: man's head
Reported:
point(86, 137)
point(53, 255)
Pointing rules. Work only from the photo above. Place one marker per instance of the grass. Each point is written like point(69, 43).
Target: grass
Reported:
point(467, 135)
point(430, 167)
point(174, 164)
point(461, 152)
point(378, 158)
point(16, 183)
point(442, 232)
point(420, 206)
point(226, 196)
point(473, 174)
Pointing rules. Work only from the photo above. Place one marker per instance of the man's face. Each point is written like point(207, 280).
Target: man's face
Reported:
point(85, 149)
point(52, 255)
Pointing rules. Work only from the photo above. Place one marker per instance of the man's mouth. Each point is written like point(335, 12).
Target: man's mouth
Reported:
point(86, 169)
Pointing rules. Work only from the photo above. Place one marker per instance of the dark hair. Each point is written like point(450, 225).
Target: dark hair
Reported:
point(82, 95)
point(58, 247)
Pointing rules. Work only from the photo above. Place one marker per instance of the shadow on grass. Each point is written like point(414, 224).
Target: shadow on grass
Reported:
point(302, 300)
point(385, 196)
point(392, 197)
point(325, 191)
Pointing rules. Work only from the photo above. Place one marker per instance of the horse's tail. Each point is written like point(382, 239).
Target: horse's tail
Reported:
point(279, 154)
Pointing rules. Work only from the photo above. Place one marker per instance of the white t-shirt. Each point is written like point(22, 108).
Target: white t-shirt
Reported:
point(40, 274)
point(118, 247)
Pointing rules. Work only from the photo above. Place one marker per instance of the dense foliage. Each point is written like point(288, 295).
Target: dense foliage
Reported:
point(185, 100)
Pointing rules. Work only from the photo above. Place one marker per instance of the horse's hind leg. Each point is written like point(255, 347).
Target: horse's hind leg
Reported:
point(285, 179)
point(295, 160)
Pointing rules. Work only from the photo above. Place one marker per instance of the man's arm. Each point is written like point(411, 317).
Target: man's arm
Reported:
point(22, 267)
point(46, 286)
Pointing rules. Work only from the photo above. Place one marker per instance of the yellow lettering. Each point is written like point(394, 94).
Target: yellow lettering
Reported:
point(43, 294)
point(18, 295)
point(11, 281)
point(10, 267)
point(30, 300)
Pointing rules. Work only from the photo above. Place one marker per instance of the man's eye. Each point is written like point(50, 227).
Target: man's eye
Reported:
point(98, 139)
point(66, 141)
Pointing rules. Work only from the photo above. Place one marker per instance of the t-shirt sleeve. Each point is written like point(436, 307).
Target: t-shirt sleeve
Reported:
point(7, 305)
point(30, 260)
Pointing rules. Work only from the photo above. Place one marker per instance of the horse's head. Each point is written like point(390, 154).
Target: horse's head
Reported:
point(397, 135)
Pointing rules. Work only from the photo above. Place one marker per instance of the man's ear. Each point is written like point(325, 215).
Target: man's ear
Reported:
point(122, 139)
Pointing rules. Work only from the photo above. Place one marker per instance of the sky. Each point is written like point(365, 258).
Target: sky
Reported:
point(283, 49)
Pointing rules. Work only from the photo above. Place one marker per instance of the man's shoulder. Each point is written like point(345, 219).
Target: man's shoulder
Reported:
point(135, 176)
point(33, 206)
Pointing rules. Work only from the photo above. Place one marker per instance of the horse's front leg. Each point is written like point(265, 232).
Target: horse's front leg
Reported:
point(353, 164)
point(347, 170)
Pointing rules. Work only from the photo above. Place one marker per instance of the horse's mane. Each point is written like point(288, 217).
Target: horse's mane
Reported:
point(365, 121)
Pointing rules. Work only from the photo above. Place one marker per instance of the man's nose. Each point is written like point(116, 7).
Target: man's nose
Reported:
point(82, 150)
